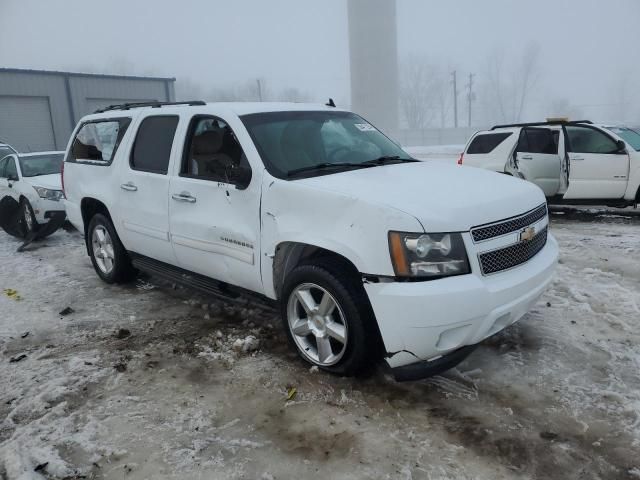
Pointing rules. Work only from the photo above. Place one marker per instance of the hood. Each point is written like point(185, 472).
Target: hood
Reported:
point(52, 182)
point(444, 198)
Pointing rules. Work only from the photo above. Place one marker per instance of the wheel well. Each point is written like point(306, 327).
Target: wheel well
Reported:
point(89, 207)
point(289, 255)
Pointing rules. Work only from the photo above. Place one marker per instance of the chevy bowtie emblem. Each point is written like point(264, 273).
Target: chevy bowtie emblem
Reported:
point(527, 234)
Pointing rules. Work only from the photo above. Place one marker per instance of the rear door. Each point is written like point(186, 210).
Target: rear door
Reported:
point(214, 204)
point(537, 158)
point(489, 150)
point(144, 188)
point(598, 168)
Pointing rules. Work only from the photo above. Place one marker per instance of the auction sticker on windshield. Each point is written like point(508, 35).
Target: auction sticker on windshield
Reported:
point(364, 127)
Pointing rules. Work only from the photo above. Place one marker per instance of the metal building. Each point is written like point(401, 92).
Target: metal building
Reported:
point(373, 49)
point(39, 109)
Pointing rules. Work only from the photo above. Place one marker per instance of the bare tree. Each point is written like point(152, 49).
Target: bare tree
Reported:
point(509, 85)
point(418, 86)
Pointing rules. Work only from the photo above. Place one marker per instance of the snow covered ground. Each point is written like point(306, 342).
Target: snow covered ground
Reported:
point(147, 381)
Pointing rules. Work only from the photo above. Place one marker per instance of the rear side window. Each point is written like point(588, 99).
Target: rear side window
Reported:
point(97, 141)
point(152, 147)
point(538, 140)
point(487, 142)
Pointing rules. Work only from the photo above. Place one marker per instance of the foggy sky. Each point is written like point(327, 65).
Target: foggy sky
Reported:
point(587, 48)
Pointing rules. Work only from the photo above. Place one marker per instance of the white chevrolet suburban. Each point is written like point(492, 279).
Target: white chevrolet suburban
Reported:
point(368, 252)
point(572, 162)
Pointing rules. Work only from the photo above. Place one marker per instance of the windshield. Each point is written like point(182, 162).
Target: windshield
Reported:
point(35, 165)
point(292, 142)
point(628, 135)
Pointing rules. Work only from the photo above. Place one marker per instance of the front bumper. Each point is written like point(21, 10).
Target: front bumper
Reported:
point(424, 321)
point(44, 209)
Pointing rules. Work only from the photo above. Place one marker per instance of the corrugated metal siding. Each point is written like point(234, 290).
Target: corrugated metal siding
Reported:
point(69, 96)
point(26, 123)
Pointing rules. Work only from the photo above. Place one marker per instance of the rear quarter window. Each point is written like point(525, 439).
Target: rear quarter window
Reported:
point(97, 141)
point(487, 142)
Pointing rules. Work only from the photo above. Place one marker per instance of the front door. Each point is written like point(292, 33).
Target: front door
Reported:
point(598, 168)
point(538, 160)
point(214, 206)
point(144, 188)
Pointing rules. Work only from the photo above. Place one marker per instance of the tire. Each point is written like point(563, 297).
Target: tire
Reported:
point(27, 218)
point(351, 318)
point(108, 256)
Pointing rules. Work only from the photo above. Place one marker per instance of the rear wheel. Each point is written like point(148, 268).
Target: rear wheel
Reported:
point(108, 255)
point(328, 319)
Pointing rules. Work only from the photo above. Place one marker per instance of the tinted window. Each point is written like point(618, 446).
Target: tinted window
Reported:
point(213, 152)
point(537, 140)
point(98, 141)
point(11, 170)
point(487, 142)
point(590, 140)
point(152, 148)
point(35, 165)
point(3, 165)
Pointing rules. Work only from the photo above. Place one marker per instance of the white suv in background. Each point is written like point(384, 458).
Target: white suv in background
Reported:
point(572, 162)
point(368, 253)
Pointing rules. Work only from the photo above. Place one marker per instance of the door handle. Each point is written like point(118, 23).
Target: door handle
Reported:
point(129, 187)
point(184, 197)
point(528, 157)
point(577, 159)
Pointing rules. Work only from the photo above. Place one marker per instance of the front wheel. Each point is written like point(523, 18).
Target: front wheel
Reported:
point(326, 313)
point(28, 217)
point(108, 255)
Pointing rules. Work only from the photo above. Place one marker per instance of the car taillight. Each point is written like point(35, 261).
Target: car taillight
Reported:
point(460, 159)
point(62, 179)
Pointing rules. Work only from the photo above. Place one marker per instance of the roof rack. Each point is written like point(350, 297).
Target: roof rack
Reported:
point(539, 124)
point(129, 106)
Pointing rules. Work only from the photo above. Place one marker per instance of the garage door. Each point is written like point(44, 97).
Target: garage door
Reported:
point(25, 123)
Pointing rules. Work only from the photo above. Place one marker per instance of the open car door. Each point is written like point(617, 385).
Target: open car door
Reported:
point(537, 159)
point(598, 164)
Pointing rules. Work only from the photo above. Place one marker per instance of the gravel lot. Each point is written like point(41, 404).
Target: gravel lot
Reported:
point(147, 381)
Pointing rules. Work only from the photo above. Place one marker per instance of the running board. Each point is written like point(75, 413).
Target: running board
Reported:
point(206, 285)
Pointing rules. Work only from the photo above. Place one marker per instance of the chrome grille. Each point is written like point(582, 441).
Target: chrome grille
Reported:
point(513, 255)
point(503, 227)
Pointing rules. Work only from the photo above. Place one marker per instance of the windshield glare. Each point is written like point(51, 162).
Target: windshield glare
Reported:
point(628, 135)
point(289, 141)
point(35, 165)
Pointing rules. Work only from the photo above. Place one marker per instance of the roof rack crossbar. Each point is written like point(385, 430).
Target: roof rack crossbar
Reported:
point(539, 124)
point(128, 106)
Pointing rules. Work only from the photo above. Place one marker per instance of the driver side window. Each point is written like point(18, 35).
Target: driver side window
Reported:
point(590, 140)
point(214, 153)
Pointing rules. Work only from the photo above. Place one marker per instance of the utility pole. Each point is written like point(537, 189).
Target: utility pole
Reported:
point(470, 96)
point(455, 99)
point(259, 89)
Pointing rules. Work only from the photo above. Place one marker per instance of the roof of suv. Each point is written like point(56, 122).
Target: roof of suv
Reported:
point(238, 108)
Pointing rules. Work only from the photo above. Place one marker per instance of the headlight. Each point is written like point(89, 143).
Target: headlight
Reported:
point(428, 255)
point(45, 193)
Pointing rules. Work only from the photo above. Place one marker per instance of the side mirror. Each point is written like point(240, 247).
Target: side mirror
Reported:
point(13, 178)
point(622, 147)
point(241, 177)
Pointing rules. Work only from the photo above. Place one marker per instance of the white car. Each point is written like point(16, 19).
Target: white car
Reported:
point(33, 181)
point(572, 162)
point(368, 253)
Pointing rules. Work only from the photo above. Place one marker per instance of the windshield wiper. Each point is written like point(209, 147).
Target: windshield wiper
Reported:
point(327, 165)
point(389, 159)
